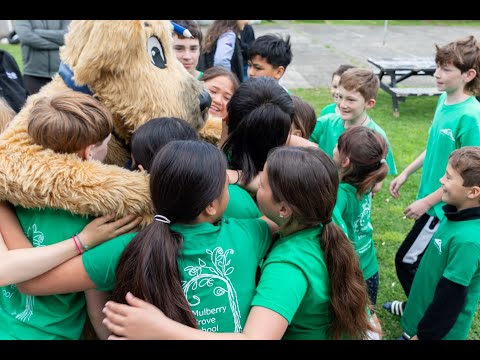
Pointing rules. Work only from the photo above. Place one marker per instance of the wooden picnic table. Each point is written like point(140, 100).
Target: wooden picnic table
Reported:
point(399, 69)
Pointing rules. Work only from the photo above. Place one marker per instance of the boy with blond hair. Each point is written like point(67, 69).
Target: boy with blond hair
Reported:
point(456, 123)
point(446, 287)
point(357, 92)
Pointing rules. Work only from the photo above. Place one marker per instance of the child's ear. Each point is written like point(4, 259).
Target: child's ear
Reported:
point(285, 210)
point(345, 162)
point(86, 154)
point(297, 132)
point(211, 210)
point(279, 71)
point(470, 75)
point(370, 103)
point(474, 192)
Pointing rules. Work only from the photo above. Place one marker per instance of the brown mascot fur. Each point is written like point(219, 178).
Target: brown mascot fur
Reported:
point(114, 59)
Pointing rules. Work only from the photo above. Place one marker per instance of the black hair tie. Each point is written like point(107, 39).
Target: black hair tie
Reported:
point(327, 222)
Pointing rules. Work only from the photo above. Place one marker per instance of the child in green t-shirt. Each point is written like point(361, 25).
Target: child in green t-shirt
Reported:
point(360, 157)
point(311, 286)
point(209, 263)
point(74, 123)
point(357, 92)
point(446, 288)
point(331, 108)
point(456, 123)
point(191, 262)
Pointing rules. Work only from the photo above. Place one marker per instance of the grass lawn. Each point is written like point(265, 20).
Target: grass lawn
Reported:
point(15, 51)
point(408, 136)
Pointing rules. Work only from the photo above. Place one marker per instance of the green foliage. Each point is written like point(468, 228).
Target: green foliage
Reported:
point(408, 136)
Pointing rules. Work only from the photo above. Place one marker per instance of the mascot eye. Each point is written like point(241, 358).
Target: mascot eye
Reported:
point(155, 53)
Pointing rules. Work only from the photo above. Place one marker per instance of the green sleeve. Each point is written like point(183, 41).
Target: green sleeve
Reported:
point(260, 234)
point(329, 109)
point(392, 168)
point(264, 237)
point(337, 219)
point(470, 135)
point(317, 132)
point(281, 289)
point(463, 262)
point(342, 200)
point(101, 261)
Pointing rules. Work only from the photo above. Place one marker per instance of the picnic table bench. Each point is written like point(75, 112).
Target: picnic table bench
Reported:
point(399, 69)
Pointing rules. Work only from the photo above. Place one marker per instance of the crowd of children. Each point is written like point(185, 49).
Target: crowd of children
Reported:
point(269, 234)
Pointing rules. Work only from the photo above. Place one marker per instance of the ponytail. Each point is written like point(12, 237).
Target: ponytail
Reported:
point(349, 296)
point(148, 268)
point(185, 177)
point(366, 150)
point(372, 178)
point(307, 179)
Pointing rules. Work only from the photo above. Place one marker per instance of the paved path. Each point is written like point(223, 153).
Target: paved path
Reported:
point(318, 49)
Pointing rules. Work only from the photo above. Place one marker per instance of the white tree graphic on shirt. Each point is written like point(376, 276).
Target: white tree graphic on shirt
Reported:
point(204, 275)
point(362, 224)
point(37, 239)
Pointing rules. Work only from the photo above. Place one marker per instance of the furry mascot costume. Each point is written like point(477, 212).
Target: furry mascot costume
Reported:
point(130, 66)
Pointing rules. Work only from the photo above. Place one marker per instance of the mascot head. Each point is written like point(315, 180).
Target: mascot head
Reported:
point(128, 65)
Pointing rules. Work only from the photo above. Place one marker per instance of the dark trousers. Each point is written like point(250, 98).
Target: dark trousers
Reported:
point(411, 251)
point(34, 83)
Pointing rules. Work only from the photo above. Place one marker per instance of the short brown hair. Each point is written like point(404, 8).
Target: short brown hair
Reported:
point(193, 27)
point(304, 117)
point(466, 161)
point(69, 121)
point(464, 54)
point(362, 80)
point(341, 69)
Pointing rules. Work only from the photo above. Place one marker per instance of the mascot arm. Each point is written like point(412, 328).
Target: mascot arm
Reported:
point(64, 181)
point(68, 277)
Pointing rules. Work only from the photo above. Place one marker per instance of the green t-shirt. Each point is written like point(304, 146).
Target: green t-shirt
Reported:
point(329, 128)
point(453, 253)
point(453, 127)
point(337, 219)
point(329, 109)
point(54, 317)
point(218, 264)
point(241, 204)
point(356, 214)
point(295, 284)
point(200, 75)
